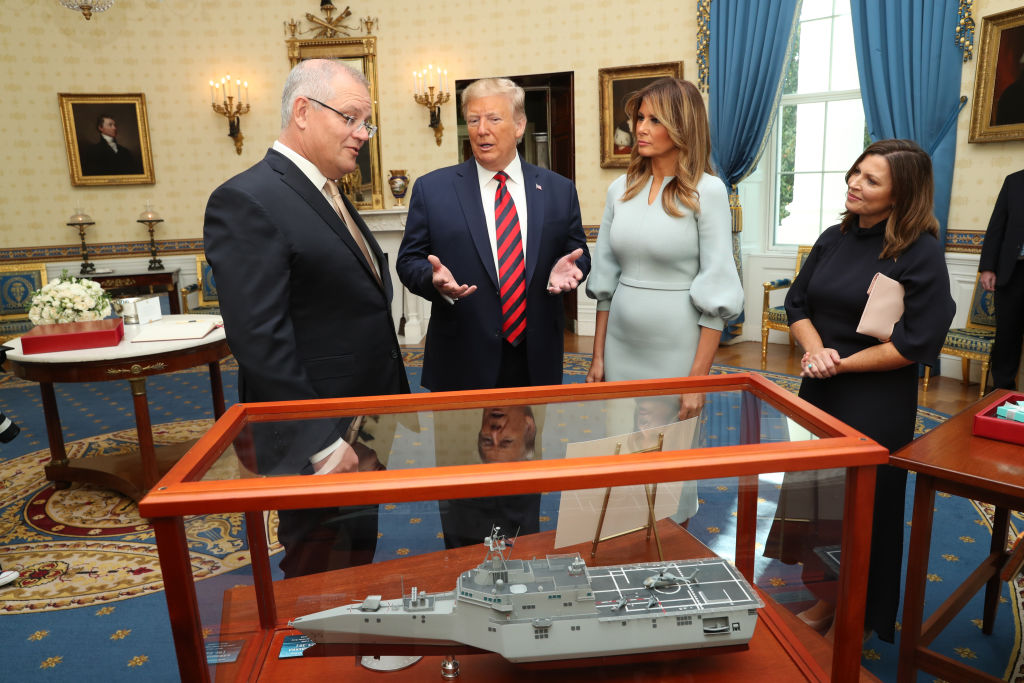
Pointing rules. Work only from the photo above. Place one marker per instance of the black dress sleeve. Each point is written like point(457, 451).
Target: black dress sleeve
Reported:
point(797, 305)
point(928, 307)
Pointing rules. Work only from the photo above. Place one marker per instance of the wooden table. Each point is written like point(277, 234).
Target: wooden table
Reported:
point(134, 473)
point(133, 283)
point(781, 643)
point(950, 458)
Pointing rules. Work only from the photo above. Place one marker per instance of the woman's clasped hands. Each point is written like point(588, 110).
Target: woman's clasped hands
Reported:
point(820, 364)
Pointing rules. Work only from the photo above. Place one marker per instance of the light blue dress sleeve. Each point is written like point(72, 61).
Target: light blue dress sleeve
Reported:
point(605, 271)
point(716, 291)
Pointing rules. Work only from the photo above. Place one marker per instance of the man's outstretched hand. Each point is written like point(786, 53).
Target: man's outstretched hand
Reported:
point(445, 283)
point(565, 276)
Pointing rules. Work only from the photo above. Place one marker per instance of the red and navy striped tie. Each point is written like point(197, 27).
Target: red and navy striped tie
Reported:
point(511, 264)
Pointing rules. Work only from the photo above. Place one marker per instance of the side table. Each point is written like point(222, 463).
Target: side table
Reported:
point(950, 458)
point(131, 283)
point(135, 473)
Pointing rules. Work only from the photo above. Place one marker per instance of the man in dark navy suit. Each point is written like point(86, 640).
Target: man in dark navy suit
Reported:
point(492, 243)
point(454, 248)
point(1002, 271)
point(306, 298)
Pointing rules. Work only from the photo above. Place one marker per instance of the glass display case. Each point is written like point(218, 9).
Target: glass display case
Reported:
point(594, 481)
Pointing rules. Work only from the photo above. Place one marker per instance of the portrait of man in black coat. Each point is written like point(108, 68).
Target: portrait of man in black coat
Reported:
point(108, 156)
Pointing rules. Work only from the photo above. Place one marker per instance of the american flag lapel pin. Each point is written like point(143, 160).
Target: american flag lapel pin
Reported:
point(539, 187)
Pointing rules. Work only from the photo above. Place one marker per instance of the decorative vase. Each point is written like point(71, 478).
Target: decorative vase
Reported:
point(398, 181)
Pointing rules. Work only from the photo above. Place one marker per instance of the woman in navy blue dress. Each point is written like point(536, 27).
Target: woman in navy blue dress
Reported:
point(888, 227)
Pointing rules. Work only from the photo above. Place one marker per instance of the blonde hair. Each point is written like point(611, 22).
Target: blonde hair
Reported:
point(679, 107)
point(912, 195)
point(485, 87)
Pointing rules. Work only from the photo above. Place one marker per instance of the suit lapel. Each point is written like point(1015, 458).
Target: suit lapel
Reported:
point(534, 217)
point(296, 179)
point(467, 189)
point(371, 244)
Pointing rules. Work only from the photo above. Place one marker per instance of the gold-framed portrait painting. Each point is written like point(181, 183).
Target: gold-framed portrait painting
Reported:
point(107, 139)
point(997, 114)
point(615, 85)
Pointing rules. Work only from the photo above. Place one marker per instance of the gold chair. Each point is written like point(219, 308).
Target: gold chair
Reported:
point(774, 317)
point(973, 342)
point(206, 288)
point(17, 283)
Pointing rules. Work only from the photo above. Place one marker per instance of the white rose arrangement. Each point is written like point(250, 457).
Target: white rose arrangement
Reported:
point(68, 299)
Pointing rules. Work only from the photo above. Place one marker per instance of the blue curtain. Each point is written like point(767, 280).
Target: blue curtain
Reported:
point(909, 66)
point(749, 42)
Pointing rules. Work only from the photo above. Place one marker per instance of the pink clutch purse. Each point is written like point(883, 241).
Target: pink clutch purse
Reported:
point(883, 309)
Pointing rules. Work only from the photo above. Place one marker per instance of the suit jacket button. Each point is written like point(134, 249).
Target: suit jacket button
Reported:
point(394, 353)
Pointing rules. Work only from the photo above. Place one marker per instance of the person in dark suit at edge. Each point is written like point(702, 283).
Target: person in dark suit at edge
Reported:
point(493, 243)
point(1002, 271)
point(305, 294)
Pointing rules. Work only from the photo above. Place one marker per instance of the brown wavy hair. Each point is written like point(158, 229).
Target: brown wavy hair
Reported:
point(680, 109)
point(912, 195)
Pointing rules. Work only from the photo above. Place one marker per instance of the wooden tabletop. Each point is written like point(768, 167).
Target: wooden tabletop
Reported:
point(952, 453)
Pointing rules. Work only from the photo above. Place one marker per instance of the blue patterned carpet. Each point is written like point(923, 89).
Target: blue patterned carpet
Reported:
point(90, 581)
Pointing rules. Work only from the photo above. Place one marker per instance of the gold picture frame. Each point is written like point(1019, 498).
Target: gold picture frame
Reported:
point(365, 186)
point(997, 114)
point(92, 159)
point(615, 85)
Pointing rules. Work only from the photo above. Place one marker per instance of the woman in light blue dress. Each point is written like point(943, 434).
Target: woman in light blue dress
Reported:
point(663, 272)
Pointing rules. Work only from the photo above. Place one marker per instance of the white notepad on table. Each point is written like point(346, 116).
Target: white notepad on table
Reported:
point(170, 330)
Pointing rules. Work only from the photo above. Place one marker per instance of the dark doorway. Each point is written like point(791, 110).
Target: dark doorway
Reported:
point(550, 137)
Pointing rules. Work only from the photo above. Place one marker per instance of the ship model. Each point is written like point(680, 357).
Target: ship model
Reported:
point(557, 608)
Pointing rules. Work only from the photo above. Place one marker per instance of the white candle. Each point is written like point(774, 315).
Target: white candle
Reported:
point(414, 84)
point(212, 100)
point(238, 89)
point(246, 86)
point(446, 80)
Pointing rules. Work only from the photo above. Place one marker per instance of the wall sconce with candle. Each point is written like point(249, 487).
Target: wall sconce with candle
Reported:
point(231, 105)
point(431, 90)
point(150, 218)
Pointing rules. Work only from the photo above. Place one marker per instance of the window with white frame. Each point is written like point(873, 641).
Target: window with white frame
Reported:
point(820, 128)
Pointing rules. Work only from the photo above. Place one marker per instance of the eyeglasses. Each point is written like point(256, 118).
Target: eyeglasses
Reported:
point(371, 129)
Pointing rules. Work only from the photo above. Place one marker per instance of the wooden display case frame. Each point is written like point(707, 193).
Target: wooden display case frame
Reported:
point(181, 493)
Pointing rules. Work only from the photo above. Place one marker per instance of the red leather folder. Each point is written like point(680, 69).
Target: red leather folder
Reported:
point(73, 336)
point(986, 423)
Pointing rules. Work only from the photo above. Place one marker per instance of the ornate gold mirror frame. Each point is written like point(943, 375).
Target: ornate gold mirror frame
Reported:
point(364, 186)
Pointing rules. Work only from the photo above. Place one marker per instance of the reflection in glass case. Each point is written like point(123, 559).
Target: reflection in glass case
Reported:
point(576, 478)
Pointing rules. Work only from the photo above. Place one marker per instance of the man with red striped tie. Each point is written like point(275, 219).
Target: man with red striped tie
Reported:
point(493, 243)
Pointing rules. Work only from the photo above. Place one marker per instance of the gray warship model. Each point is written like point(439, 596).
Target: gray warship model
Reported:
point(557, 608)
